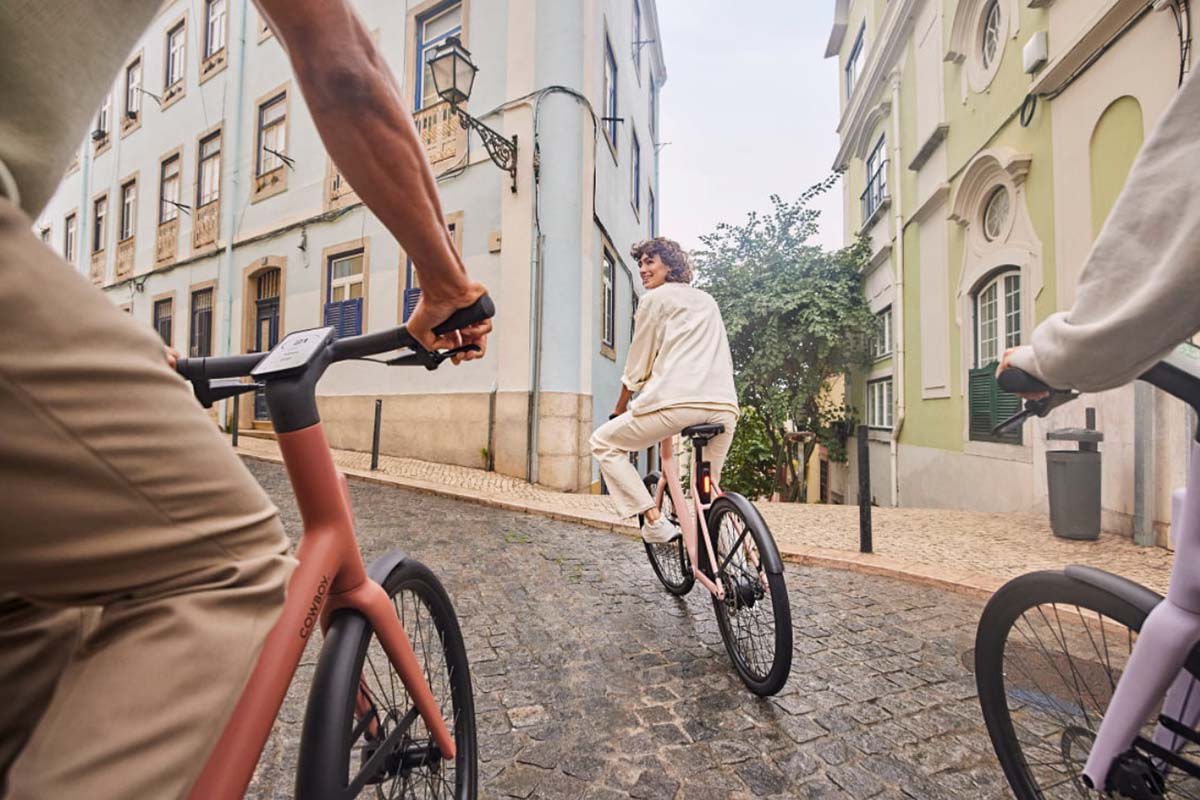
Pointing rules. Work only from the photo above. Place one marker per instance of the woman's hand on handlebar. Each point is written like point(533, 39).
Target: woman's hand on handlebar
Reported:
point(172, 355)
point(1005, 362)
point(434, 308)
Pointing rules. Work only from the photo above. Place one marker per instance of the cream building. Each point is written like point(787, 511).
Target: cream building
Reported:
point(984, 143)
point(204, 204)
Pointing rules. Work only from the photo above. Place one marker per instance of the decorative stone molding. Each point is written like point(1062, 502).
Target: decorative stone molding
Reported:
point(865, 137)
point(966, 41)
point(96, 267)
point(166, 242)
point(126, 250)
point(989, 168)
point(206, 224)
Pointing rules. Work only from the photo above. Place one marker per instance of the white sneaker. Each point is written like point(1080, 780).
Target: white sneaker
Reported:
point(660, 531)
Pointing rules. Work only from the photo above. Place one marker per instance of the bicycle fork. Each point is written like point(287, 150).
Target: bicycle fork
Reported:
point(1167, 637)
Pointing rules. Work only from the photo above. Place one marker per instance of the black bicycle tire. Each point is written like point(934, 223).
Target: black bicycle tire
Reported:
point(324, 753)
point(688, 580)
point(1002, 611)
point(781, 666)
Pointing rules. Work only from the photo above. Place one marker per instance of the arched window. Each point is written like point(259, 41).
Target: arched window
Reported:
point(989, 40)
point(997, 327)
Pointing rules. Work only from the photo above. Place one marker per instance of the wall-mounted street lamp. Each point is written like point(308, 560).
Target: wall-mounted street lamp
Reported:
point(453, 78)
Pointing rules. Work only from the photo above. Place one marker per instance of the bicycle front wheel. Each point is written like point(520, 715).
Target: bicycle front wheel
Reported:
point(669, 561)
point(1048, 654)
point(755, 616)
point(358, 706)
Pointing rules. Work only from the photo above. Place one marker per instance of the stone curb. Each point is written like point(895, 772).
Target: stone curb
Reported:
point(971, 584)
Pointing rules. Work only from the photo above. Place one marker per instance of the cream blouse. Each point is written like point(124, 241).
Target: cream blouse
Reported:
point(679, 355)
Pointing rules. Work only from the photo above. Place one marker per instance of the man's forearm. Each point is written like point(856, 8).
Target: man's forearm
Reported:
point(359, 111)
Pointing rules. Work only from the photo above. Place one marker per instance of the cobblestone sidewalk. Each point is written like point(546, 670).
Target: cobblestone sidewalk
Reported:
point(969, 552)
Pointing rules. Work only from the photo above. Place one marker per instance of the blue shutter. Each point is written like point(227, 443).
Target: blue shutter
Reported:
point(333, 317)
point(351, 317)
point(411, 296)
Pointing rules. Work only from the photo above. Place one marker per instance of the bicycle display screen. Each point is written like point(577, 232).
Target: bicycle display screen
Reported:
point(294, 352)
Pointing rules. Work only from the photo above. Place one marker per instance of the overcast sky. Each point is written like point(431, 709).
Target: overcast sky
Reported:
point(749, 108)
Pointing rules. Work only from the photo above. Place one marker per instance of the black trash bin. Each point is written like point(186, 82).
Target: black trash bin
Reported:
point(1073, 481)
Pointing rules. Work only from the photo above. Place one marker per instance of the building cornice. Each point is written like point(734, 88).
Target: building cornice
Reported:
point(1103, 26)
point(885, 52)
point(841, 15)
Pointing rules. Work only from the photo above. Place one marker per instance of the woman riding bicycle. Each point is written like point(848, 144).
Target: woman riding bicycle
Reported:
point(680, 366)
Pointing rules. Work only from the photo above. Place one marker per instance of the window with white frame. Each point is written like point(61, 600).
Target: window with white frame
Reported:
point(995, 214)
point(102, 118)
point(69, 237)
point(608, 300)
point(128, 224)
point(636, 173)
point(344, 293)
point(214, 27)
point(990, 38)
point(99, 217)
point(881, 343)
point(200, 334)
point(168, 190)
point(879, 403)
point(653, 113)
point(433, 29)
point(637, 38)
point(176, 53)
point(650, 205)
point(877, 190)
point(208, 185)
point(854, 61)
point(610, 93)
point(133, 89)
point(997, 328)
point(272, 134)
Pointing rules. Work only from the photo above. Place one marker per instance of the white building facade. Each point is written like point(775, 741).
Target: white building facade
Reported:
point(205, 205)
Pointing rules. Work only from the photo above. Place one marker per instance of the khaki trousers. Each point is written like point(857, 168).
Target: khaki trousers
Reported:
point(141, 566)
point(615, 439)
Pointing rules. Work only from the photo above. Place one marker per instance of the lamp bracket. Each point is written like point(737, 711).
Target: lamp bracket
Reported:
point(501, 149)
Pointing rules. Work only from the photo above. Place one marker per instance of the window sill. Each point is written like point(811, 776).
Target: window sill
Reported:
point(876, 215)
point(608, 352)
point(879, 435)
point(172, 95)
point(213, 65)
point(101, 146)
point(128, 126)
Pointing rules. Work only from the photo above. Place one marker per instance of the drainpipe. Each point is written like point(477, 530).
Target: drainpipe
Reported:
point(82, 242)
point(229, 191)
point(535, 378)
point(898, 303)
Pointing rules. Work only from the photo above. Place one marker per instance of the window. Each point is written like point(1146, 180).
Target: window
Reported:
point(69, 238)
point(990, 41)
point(881, 344)
point(610, 94)
point(653, 114)
point(200, 342)
point(876, 192)
point(995, 214)
point(608, 297)
point(879, 403)
point(163, 311)
point(133, 90)
point(653, 212)
point(344, 293)
point(214, 28)
point(102, 120)
point(433, 29)
point(854, 62)
point(272, 134)
point(99, 215)
point(176, 50)
point(412, 291)
point(128, 210)
point(636, 190)
point(997, 328)
point(637, 39)
point(633, 313)
point(208, 188)
point(168, 190)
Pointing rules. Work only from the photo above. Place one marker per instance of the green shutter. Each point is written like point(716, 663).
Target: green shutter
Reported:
point(989, 405)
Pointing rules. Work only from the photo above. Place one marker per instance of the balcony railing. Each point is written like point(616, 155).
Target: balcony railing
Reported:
point(876, 193)
point(126, 248)
point(204, 228)
point(96, 267)
point(440, 131)
point(166, 242)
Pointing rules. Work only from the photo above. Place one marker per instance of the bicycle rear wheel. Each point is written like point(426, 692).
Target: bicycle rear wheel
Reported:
point(358, 707)
point(1048, 654)
point(670, 561)
point(755, 617)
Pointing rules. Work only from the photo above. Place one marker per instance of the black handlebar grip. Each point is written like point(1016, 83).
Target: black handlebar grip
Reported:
point(1019, 381)
point(218, 366)
point(481, 309)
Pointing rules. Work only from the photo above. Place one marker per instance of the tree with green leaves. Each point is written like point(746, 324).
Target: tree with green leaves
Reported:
point(797, 319)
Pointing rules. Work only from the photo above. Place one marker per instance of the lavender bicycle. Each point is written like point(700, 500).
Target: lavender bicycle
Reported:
point(1088, 681)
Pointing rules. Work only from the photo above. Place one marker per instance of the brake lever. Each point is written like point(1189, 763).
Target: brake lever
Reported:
point(430, 359)
point(1034, 408)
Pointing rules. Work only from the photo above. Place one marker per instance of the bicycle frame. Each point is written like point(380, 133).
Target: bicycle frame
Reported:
point(330, 576)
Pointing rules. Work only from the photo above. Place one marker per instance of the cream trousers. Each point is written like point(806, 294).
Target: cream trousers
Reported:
point(615, 439)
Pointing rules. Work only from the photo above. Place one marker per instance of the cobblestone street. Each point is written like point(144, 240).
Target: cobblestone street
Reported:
point(592, 682)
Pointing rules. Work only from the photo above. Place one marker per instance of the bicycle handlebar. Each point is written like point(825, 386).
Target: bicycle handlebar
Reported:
point(1018, 381)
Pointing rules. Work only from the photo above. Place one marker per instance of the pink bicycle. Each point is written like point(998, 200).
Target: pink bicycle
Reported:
point(739, 564)
point(391, 711)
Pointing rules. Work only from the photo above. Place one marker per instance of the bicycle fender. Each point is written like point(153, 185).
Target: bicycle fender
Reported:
point(381, 567)
point(768, 552)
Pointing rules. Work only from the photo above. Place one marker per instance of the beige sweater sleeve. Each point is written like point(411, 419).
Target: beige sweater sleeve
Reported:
point(647, 333)
point(1139, 291)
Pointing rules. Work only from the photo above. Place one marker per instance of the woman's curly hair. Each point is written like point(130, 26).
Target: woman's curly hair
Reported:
point(679, 266)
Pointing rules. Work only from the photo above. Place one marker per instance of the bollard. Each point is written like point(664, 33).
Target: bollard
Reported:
point(375, 435)
point(864, 492)
point(234, 424)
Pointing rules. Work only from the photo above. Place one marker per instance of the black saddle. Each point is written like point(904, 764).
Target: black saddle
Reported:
point(703, 432)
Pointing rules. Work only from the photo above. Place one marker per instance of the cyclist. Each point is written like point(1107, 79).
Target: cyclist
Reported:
point(1138, 290)
point(142, 565)
point(680, 366)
